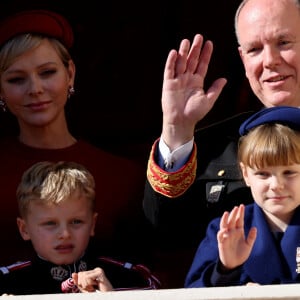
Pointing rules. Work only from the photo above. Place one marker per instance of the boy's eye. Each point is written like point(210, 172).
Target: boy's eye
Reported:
point(74, 222)
point(49, 223)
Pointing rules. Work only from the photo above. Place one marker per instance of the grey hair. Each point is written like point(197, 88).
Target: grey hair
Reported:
point(239, 9)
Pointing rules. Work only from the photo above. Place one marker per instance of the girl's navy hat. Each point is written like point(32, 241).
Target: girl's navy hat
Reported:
point(286, 115)
point(38, 21)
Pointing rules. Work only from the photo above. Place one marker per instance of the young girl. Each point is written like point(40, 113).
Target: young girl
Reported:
point(258, 243)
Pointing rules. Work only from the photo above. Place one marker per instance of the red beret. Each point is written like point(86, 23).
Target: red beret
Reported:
point(37, 21)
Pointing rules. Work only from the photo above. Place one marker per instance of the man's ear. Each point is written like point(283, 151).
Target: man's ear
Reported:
point(23, 229)
point(245, 173)
point(240, 50)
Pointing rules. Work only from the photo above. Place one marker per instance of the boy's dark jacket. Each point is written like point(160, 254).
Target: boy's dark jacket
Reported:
point(43, 277)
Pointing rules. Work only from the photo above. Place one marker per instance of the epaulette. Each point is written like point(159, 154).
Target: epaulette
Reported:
point(13, 267)
point(171, 184)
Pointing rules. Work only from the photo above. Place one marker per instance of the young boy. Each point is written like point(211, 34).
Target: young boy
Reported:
point(56, 205)
point(258, 243)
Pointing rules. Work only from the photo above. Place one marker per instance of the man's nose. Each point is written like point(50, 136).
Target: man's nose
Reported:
point(271, 57)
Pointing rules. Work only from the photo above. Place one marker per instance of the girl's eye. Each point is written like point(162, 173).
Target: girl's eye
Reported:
point(261, 174)
point(289, 172)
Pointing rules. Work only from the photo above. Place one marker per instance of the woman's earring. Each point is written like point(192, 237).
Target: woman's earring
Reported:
point(71, 92)
point(3, 106)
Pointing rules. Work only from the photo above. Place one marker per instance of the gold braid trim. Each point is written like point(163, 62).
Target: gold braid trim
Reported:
point(171, 184)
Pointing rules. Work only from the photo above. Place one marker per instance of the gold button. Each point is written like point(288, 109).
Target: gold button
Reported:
point(221, 173)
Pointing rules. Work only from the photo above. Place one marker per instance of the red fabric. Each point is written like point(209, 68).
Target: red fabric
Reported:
point(119, 192)
point(37, 21)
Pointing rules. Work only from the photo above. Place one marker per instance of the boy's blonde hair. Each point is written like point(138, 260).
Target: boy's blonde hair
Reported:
point(50, 183)
point(270, 145)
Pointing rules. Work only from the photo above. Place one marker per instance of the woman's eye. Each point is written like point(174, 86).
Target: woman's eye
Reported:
point(15, 80)
point(48, 72)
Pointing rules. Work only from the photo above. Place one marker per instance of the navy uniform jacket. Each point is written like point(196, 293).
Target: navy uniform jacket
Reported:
point(271, 261)
point(181, 222)
point(43, 277)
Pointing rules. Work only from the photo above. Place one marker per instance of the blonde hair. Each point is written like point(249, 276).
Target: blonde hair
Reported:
point(270, 145)
point(25, 42)
point(50, 183)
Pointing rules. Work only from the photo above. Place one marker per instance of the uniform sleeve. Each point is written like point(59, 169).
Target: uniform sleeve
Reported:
point(172, 161)
point(171, 184)
point(205, 259)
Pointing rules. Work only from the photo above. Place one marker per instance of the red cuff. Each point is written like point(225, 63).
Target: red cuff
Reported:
point(171, 184)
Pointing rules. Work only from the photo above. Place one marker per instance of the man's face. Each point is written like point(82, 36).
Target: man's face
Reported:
point(269, 38)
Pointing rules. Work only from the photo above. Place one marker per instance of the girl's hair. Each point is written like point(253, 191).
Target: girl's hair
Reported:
point(50, 183)
point(270, 145)
point(25, 42)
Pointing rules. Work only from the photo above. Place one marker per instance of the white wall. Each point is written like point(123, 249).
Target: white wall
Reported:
point(287, 292)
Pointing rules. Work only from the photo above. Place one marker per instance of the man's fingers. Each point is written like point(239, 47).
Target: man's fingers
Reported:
point(194, 55)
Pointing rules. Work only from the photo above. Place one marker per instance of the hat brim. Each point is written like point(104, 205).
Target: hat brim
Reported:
point(43, 22)
point(286, 115)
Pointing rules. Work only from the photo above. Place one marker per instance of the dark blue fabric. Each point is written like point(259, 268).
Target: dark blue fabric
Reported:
point(268, 262)
point(286, 115)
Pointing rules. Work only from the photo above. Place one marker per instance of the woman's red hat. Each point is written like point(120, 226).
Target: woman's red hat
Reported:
point(38, 21)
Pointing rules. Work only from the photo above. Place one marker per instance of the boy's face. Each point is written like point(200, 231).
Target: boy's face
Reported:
point(59, 233)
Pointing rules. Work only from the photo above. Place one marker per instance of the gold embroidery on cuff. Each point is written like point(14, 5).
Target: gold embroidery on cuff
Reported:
point(172, 184)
